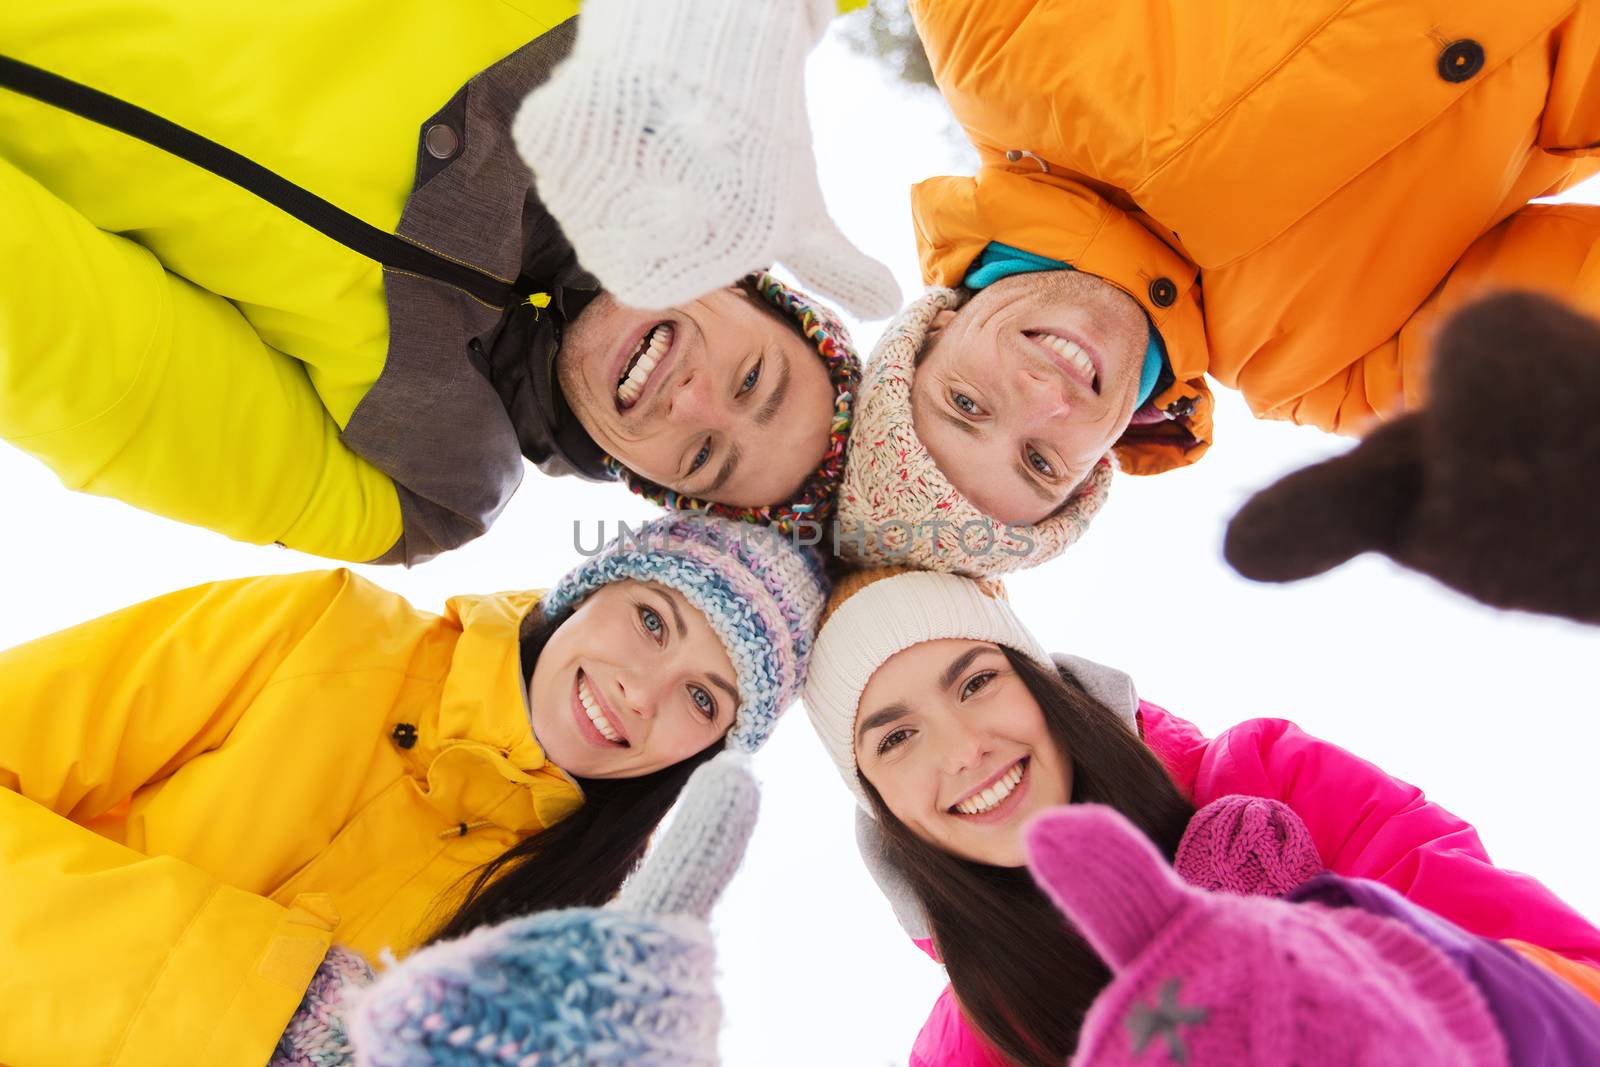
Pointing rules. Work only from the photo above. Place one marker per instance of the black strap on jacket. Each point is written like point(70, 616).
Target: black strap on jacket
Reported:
point(386, 248)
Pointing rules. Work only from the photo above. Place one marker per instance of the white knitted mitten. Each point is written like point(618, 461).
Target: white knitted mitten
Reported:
point(673, 148)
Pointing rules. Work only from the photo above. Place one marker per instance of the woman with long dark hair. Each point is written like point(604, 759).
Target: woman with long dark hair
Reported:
point(954, 727)
point(224, 788)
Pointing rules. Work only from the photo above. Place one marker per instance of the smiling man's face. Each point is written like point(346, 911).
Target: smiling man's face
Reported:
point(1022, 390)
point(718, 399)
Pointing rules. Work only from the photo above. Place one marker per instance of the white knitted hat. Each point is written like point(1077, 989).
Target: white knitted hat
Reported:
point(894, 504)
point(875, 614)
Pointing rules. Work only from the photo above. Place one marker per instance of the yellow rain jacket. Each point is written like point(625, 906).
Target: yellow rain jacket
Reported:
point(1295, 191)
point(175, 342)
point(199, 794)
point(171, 340)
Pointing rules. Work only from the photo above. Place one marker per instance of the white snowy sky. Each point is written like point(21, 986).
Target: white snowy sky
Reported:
point(1492, 713)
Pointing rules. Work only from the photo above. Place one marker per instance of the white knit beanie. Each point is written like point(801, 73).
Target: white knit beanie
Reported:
point(895, 506)
point(875, 614)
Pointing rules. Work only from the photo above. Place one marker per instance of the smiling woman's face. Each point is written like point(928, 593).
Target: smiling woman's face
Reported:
point(633, 681)
point(958, 749)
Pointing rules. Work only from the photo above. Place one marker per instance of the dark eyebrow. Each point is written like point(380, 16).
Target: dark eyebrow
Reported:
point(961, 663)
point(677, 616)
point(725, 473)
point(779, 393)
point(732, 690)
point(1033, 483)
point(881, 717)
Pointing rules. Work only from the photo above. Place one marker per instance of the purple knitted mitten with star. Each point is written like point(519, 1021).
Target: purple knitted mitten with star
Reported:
point(1248, 846)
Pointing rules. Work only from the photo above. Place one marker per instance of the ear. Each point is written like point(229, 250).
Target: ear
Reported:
point(941, 318)
point(1317, 518)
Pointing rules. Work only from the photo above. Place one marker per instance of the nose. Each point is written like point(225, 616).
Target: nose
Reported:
point(640, 694)
point(693, 402)
point(963, 748)
point(1040, 397)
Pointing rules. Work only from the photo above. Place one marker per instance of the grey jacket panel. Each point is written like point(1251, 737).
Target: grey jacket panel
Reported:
point(467, 389)
point(1111, 687)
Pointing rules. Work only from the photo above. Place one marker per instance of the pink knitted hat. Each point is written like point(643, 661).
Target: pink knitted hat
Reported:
point(1211, 980)
point(1249, 846)
point(894, 504)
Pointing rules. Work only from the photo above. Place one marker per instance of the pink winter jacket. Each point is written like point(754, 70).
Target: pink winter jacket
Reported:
point(1365, 825)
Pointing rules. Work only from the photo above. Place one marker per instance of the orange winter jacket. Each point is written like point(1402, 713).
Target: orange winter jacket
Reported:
point(1296, 191)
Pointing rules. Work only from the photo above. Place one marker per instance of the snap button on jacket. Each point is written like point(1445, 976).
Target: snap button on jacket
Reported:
point(200, 793)
point(1320, 181)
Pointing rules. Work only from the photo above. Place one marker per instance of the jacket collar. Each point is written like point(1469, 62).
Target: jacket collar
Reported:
point(483, 760)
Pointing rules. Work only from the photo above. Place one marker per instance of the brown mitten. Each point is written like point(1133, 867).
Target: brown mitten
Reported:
point(1493, 489)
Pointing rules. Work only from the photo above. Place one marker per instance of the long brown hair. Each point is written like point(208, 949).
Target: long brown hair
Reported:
point(582, 860)
point(1023, 977)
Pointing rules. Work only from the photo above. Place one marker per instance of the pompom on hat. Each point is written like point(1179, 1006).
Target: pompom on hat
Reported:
point(896, 507)
point(760, 592)
point(1214, 980)
point(876, 613)
point(814, 501)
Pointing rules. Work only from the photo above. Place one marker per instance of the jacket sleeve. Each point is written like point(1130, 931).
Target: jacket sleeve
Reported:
point(113, 956)
point(131, 382)
point(1546, 248)
point(1369, 825)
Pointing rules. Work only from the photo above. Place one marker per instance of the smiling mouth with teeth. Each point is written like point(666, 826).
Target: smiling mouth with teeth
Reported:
point(591, 708)
point(1071, 353)
point(652, 346)
point(992, 796)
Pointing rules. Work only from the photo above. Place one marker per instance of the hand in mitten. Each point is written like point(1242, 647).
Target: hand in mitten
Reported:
point(673, 148)
point(1248, 846)
point(1490, 488)
point(1217, 980)
point(316, 1035)
point(630, 983)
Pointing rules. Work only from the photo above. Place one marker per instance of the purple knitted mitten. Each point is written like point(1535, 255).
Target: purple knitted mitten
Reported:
point(1249, 846)
point(316, 1036)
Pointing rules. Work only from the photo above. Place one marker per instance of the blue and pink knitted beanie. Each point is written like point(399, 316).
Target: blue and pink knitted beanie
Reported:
point(760, 592)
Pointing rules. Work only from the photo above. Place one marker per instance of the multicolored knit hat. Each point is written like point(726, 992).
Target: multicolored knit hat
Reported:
point(896, 506)
point(1214, 980)
point(760, 593)
point(814, 501)
point(876, 613)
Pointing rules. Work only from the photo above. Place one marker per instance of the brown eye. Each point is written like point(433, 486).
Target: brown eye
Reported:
point(893, 738)
point(976, 684)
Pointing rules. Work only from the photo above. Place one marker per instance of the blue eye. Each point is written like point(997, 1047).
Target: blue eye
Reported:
point(1040, 464)
point(704, 701)
point(700, 457)
point(653, 624)
point(964, 403)
point(976, 683)
point(751, 379)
